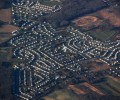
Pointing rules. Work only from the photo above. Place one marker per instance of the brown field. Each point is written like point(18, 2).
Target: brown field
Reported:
point(110, 85)
point(3, 39)
point(76, 90)
point(5, 36)
point(100, 67)
point(109, 15)
point(8, 28)
point(83, 21)
point(93, 88)
point(5, 32)
point(114, 79)
point(87, 22)
point(97, 65)
point(5, 15)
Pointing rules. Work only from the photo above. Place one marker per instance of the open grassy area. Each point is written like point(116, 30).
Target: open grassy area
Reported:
point(63, 94)
point(115, 84)
point(110, 86)
point(102, 35)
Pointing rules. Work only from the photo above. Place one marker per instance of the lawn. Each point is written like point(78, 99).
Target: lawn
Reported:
point(102, 35)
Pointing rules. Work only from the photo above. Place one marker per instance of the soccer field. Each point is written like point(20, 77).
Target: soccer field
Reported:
point(102, 35)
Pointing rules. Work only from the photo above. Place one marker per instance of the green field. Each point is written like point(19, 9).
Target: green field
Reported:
point(63, 94)
point(102, 35)
point(110, 86)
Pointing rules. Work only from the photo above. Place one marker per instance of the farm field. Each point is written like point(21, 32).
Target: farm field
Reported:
point(5, 15)
point(63, 94)
point(8, 29)
point(102, 35)
point(6, 32)
point(113, 18)
point(110, 86)
point(96, 66)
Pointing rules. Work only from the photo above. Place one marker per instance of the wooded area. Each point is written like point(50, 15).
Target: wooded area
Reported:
point(5, 3)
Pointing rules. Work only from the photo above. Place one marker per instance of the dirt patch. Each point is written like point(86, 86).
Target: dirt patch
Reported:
point(83, 21)
point(5, 15)
point(88, 22)
point(109, 15)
